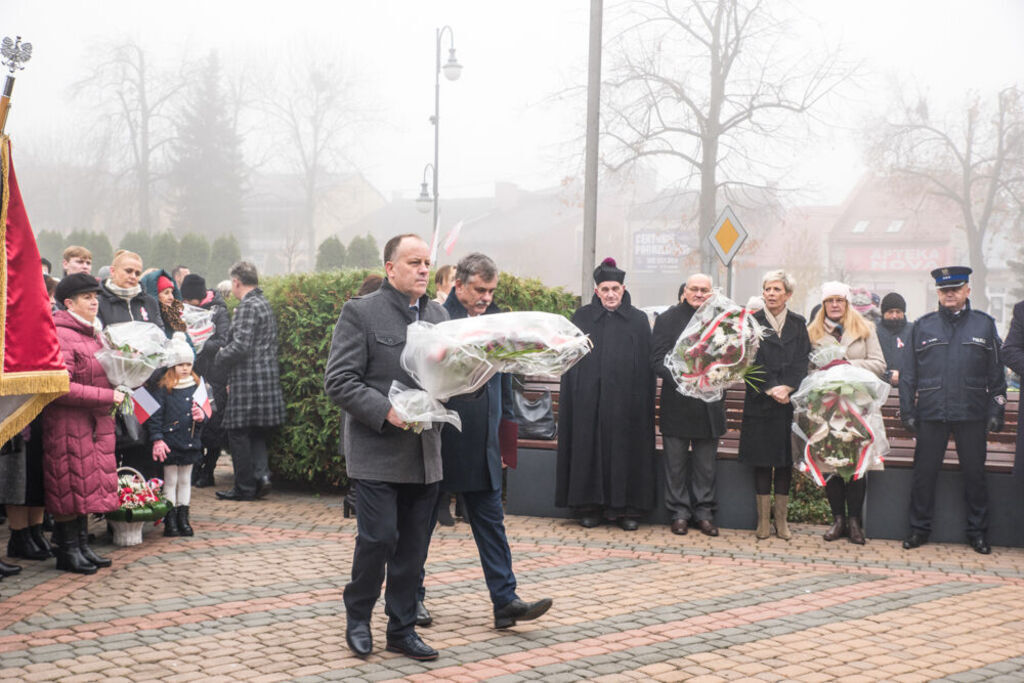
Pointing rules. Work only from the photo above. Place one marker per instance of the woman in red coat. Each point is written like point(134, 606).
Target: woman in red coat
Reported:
point(78, 443)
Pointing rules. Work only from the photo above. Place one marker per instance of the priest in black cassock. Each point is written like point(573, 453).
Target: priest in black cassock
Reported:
point(606, 412)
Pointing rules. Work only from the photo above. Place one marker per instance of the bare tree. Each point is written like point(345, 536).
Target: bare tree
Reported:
point(974, 158)
point(314, 115)
point(134, 108)
point(715, 86)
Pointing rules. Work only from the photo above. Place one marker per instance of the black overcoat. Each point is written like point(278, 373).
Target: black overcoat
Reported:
point(681, 416)
point(606, 414)
point(1013, 357)
point(766, 434)
point(895, 345)
point(471, 459)
point(142, 307)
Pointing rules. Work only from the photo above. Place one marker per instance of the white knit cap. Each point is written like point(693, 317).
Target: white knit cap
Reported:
point(833, 288)
point(178, 350)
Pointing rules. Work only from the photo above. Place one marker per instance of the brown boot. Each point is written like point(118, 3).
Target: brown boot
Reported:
point(856, 532)
point(764, 511)
point(781, 508)
point(837, 530)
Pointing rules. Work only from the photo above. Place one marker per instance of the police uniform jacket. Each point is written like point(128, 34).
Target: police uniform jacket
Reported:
point(956, 374)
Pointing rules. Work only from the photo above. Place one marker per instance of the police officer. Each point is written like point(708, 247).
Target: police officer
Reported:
point(954, 384)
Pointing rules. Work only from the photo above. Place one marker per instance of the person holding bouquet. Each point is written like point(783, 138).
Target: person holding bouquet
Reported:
point(690, 427)
point(176, 433)
point(766, 435)
point(838, 323)
point(80, 472)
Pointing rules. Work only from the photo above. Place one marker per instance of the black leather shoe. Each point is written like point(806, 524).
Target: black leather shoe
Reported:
point(979, 544)
point(589, 522)
point(707, 527)
point(8, 569)
point(628, 524)
point(263, 487)
point(423, 617)
point(358, 637)
point(916, 539)
point(517, 610)
point(234, 494)
point(679, 526)
point(412, 646)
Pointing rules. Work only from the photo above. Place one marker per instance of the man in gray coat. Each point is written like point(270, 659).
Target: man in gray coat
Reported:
point(395, 471)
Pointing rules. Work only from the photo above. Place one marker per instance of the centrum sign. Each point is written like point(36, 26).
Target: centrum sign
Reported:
point(907, 259)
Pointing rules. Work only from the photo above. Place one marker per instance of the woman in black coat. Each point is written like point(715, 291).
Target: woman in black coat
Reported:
point(765, 438)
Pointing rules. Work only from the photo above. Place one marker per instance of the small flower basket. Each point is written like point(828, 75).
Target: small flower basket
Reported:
point(140, 503)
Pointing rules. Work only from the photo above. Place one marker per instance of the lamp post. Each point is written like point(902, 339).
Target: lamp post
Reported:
point(452, 70)
point(425, 201)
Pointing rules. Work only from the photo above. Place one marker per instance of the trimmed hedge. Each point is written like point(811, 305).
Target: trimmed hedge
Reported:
point(307, 307)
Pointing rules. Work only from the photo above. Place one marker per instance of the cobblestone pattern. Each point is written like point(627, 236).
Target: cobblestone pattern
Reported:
point(256, 595)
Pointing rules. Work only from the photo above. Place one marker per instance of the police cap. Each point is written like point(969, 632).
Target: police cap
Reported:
point(951, 276)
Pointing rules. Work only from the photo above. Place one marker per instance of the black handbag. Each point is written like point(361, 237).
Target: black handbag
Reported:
point(536, 417)
point(128, 432)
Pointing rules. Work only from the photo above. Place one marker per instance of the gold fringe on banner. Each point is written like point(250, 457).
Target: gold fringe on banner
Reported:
point(23, 395)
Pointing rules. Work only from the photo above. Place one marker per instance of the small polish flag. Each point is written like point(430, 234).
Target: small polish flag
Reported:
point(453, 235)
point(202, 397)
point(145, 404)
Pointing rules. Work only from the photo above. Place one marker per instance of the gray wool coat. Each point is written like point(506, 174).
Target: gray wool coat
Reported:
point(364, 360)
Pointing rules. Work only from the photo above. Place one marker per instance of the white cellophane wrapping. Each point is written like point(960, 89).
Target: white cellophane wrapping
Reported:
point(199, 325)
point(418, 409)
point(716, 349)
point(131, 352)
point(838, 420)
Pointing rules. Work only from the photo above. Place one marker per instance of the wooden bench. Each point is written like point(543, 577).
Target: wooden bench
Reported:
point(531, 486)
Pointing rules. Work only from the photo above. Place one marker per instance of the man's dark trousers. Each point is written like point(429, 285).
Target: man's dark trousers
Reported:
point(393, 533)
point(932, 437)
point(248, 457)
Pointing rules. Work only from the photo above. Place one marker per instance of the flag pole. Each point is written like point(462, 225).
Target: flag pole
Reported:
point(15, 54)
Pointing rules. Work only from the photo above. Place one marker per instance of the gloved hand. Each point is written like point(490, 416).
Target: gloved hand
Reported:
point(911, 425)
point(995, 424)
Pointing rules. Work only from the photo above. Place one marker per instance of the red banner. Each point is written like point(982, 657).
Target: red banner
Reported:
point(906, 259)
point(33, 371)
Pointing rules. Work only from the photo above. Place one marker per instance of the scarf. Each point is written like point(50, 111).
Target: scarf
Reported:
point(171, 313)
point(185, 383)
point(126, 294)
point(95, 324)
point(833, 328)
point(776, 321)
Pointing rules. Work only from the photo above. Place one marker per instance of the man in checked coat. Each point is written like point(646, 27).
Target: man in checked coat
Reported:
point(255, 403)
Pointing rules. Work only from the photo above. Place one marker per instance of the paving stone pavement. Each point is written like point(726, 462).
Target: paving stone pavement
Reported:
point(255, 595)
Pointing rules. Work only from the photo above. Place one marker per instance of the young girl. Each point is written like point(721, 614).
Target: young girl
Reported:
point(175, 433)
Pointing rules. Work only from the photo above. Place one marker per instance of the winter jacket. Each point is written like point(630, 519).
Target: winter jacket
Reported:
point(250, 358)
point(895, 343)
point(956, 374)
point(219, 338)
point(173, 425)
point(114, 309)
point(79, 468)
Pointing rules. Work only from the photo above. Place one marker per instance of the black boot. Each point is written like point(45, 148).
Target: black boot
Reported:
point(40, 538)
point(69, 556)
point(83, 545)
point(184, 528)
point(8, 569)
point(21, 544)
point(171, 523)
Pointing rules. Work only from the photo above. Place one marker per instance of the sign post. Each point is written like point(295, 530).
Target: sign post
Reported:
point(726, 238)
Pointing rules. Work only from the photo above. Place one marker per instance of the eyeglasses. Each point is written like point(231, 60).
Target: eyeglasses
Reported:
point(834, 301)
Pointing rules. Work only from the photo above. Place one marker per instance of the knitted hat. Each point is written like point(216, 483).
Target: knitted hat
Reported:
point(178, 351)
point(833, 288)
point(193, 287)
point(608, 272)
point(163, 282)
point(893, 300)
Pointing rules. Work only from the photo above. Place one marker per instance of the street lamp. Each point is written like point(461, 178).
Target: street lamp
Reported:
point(452, 70)
point(424, 202)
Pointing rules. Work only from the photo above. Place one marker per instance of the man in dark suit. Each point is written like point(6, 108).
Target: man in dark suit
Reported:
point(472, 458)
point(395, 470)
point(689, 427)
point(1013, 357)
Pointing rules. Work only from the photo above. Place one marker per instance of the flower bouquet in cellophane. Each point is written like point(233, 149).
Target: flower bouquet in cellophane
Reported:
point(716, 349)
point(458, 357)
point(838, 418)
point(131, 352)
